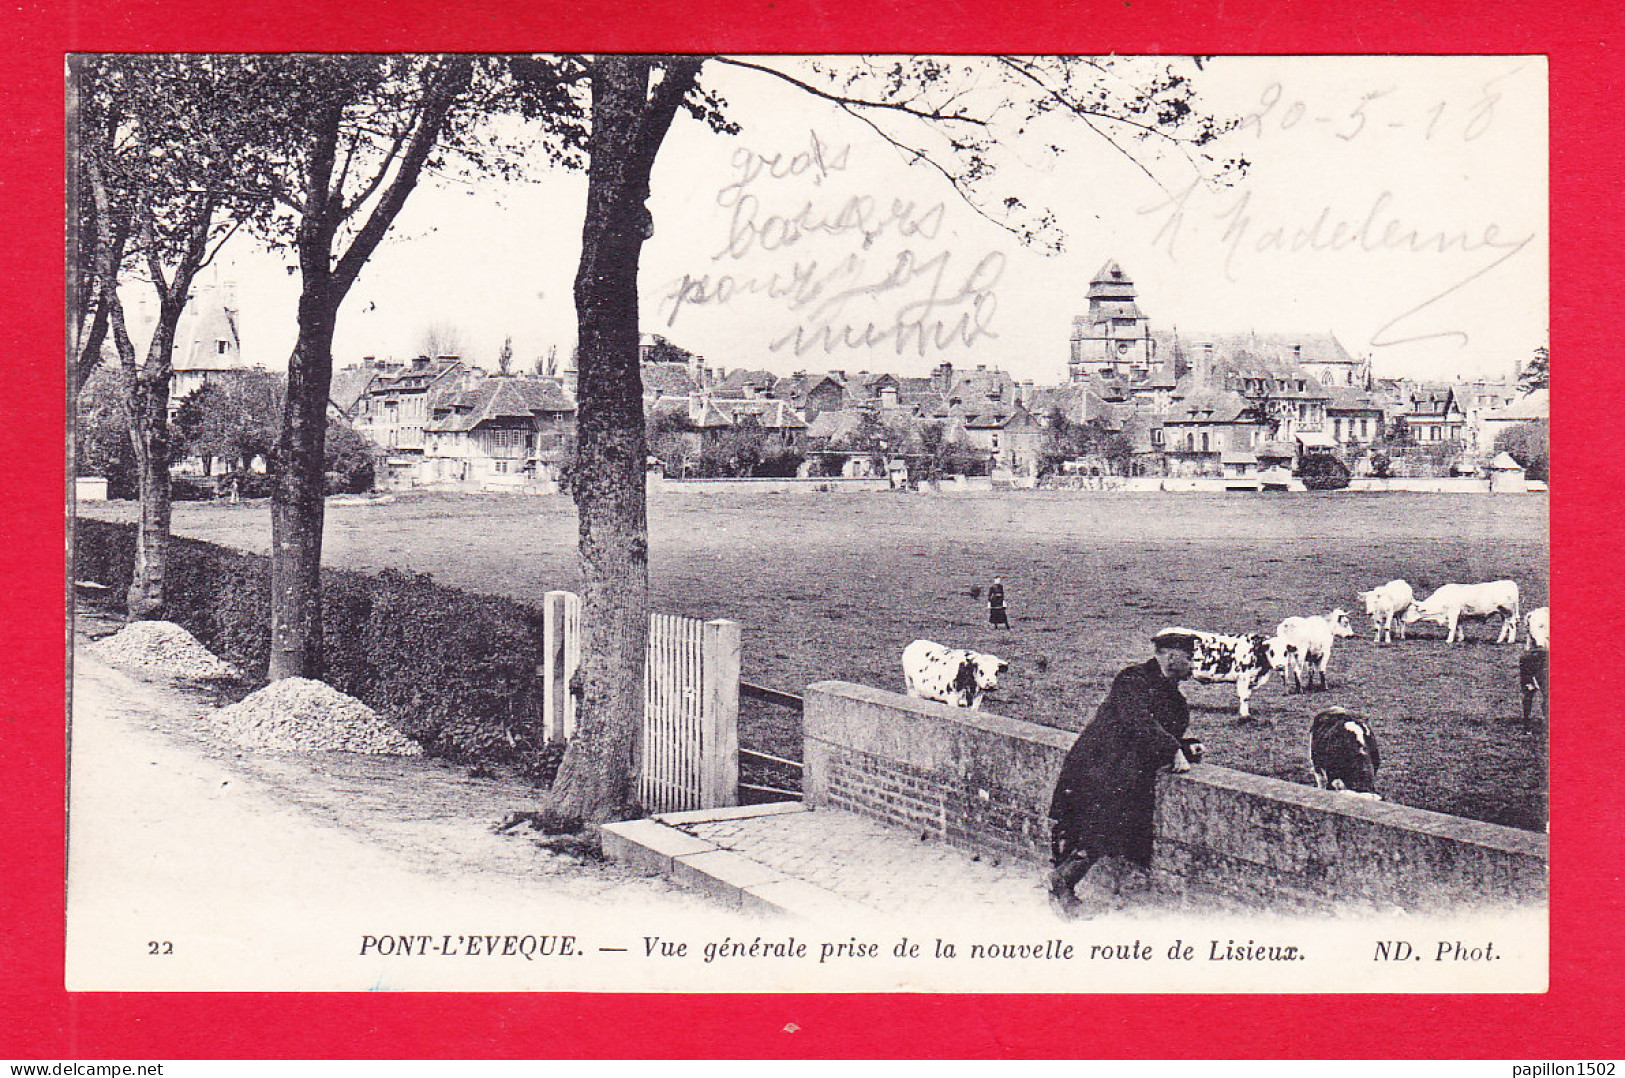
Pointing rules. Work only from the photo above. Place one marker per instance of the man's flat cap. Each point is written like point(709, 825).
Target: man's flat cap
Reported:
point(1183, 639)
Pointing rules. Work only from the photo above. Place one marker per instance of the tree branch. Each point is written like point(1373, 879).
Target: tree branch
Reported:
point(446, 83)
point(850, 103)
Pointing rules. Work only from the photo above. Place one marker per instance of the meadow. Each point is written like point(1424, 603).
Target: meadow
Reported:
point(834, 585)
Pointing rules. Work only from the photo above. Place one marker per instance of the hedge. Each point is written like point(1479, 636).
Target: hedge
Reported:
point(454, 670)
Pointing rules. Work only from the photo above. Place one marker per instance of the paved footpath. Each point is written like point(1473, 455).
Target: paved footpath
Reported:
point(881, 867)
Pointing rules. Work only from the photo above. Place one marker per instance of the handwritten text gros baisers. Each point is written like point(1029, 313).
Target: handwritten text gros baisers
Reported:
point(922, 297)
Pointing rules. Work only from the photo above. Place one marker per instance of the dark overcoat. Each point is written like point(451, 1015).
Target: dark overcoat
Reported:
point(1103, 800)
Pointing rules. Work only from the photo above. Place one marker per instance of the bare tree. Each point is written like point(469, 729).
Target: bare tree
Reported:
point(440, 338)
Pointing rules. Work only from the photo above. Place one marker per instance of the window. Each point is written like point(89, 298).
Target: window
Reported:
point(1204, 441)
point(995, 441)
point(222, 347)
point(1365, 428)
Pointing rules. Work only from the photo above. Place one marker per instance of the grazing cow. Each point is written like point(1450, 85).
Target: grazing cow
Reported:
point(1452, 602)
point(1312, 637)
point(1384, 604)
point(1534, 675)
point(1247, 660)
point(1539, 622)
point(1343, 753)
point(952, 675)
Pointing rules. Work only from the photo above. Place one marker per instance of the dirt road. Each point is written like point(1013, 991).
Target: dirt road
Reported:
point(195, 866)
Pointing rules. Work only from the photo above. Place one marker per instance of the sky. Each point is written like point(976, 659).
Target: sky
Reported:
point(1399, 203)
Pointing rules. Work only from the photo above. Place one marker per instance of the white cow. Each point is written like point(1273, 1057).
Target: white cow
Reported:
point(1540, 628)
point(1384, 604)
point(1247, 660)
point(1312, 640)
point(1452, 602)
point(952, 675)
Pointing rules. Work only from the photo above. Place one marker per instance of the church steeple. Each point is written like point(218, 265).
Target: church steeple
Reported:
point(1113, 336)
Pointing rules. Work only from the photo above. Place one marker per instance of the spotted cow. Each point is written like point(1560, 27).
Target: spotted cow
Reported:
point(1247, 661)
point(952, 675)
point(1343, 753)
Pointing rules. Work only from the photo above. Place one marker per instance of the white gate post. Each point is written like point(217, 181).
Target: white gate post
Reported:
point(555, 683)
point(719, 767)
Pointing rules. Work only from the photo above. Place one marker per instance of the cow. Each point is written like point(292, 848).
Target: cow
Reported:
point(1312, 637)
point(1539, 623)
point(952, 675)
point(1452, 602)
point(1343, 753)
point(1383, 605)
point(1247, 660)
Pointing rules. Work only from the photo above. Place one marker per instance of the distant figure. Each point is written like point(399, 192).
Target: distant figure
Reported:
point(1106, 791)
point(996, 614)
point(1534, 678)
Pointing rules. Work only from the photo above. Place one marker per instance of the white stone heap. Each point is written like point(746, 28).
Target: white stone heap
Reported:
point(300, 715)
point(162, 647)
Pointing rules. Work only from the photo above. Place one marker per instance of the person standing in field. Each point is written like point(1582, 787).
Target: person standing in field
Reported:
point(1104, 797)
point(997, 616)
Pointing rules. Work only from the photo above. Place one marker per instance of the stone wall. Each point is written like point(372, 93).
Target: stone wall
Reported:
point(982, 782)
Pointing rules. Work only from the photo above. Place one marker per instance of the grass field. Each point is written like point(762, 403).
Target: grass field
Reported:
point(834, 585)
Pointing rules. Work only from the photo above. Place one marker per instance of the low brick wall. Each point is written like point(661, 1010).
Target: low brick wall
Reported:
point(983, 782)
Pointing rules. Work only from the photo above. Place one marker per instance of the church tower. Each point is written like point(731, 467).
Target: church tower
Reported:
point(1113, 337)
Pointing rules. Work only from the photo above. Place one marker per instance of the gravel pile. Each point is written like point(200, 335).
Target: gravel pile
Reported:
point(165, 648)
point(300, 715)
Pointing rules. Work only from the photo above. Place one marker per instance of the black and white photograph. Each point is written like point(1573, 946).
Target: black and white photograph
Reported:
point(808, 523)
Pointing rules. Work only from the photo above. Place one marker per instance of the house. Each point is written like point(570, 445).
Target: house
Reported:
point(811, 394)
point(1534, 408)
point(1433, 415)
point(1354, 416)
point(393, 410)
point(785, 429)
point(208, 350)
point(1480, 400)
point(1205, 423)
point(504, 431)
point(1012, 438)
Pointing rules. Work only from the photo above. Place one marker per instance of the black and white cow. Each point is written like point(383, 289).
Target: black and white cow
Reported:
point(952, 675)
point(1343, 753)
point(1247, 661)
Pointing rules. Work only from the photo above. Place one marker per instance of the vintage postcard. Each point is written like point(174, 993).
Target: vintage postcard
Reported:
point(1082, 522)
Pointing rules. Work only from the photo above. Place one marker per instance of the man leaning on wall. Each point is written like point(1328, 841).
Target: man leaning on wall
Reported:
point(1106, 792)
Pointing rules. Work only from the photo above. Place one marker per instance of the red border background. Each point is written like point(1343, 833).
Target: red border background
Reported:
point(1578, 1019)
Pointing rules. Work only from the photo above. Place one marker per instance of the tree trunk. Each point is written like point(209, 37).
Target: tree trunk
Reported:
point(298, 505)
point(595, 779)
point(149, 432)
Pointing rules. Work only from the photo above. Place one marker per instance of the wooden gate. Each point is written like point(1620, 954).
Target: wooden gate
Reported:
point(688, 746)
